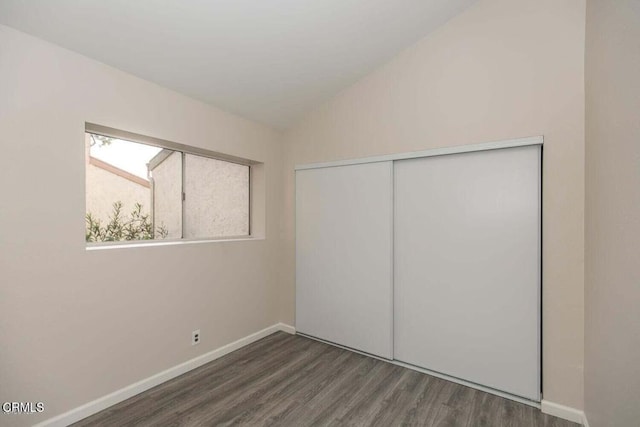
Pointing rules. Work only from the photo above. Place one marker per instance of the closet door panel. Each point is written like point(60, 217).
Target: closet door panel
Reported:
point(344, 255)
point(467, 267)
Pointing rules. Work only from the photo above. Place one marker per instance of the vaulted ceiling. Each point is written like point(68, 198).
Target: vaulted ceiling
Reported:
point(268, 60)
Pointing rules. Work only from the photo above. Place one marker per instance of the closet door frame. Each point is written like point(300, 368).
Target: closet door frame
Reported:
point(493, 145)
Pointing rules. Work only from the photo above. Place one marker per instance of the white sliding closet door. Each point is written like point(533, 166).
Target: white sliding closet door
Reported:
point(344, 255)
point(467, 267)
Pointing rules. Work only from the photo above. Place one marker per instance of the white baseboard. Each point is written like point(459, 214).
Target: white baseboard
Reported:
point(286, 328)
point(564, 412)
point(118, 396)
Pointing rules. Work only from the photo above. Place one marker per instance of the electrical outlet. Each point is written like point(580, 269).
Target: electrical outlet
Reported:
point(195, 337)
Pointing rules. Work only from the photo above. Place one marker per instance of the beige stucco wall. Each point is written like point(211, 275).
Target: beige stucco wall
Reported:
point(217, 198)
point(76, 325)
point(216, 202)
point(104, 188)
point(502, 69)
point(612, 291)
point(167, 195)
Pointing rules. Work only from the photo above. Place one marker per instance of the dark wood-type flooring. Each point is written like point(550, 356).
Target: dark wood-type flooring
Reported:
point(288, 380)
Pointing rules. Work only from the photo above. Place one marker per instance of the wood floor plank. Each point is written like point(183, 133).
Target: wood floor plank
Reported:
point(267, 401)
point(344, 397)
point(329, 367)
point(430, 399)
point(512, 414)
point(456, 409)
point(270, 387)
point(376, 390)
point(217, 397)
point(300, 392)
point(485, 411)
point(312, 401)
point(286, 380)
point(399, 399)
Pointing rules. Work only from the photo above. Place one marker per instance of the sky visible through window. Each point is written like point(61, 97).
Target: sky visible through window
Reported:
point(129, 156)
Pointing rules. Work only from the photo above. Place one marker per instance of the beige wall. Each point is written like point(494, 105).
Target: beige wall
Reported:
point(105, 188)
point(217, 198)
point(70, 335)
point(167, 195)
point(612, 290)
point(501, 69)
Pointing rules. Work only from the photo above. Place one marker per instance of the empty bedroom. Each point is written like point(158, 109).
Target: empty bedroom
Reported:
point(320, 213)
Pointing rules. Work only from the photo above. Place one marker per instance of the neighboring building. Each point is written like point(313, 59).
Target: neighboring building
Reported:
point(107, 184)
point(216, 195)
point(165, 170)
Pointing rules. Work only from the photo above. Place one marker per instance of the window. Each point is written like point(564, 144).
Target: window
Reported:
point(140, 188)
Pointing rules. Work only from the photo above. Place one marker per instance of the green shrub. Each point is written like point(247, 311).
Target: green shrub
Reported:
point(136, 226)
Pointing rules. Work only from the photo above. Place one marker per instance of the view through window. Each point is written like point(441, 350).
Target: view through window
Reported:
point(136, 191)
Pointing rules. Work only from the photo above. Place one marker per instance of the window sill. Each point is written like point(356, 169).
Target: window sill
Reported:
point(144, 244)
